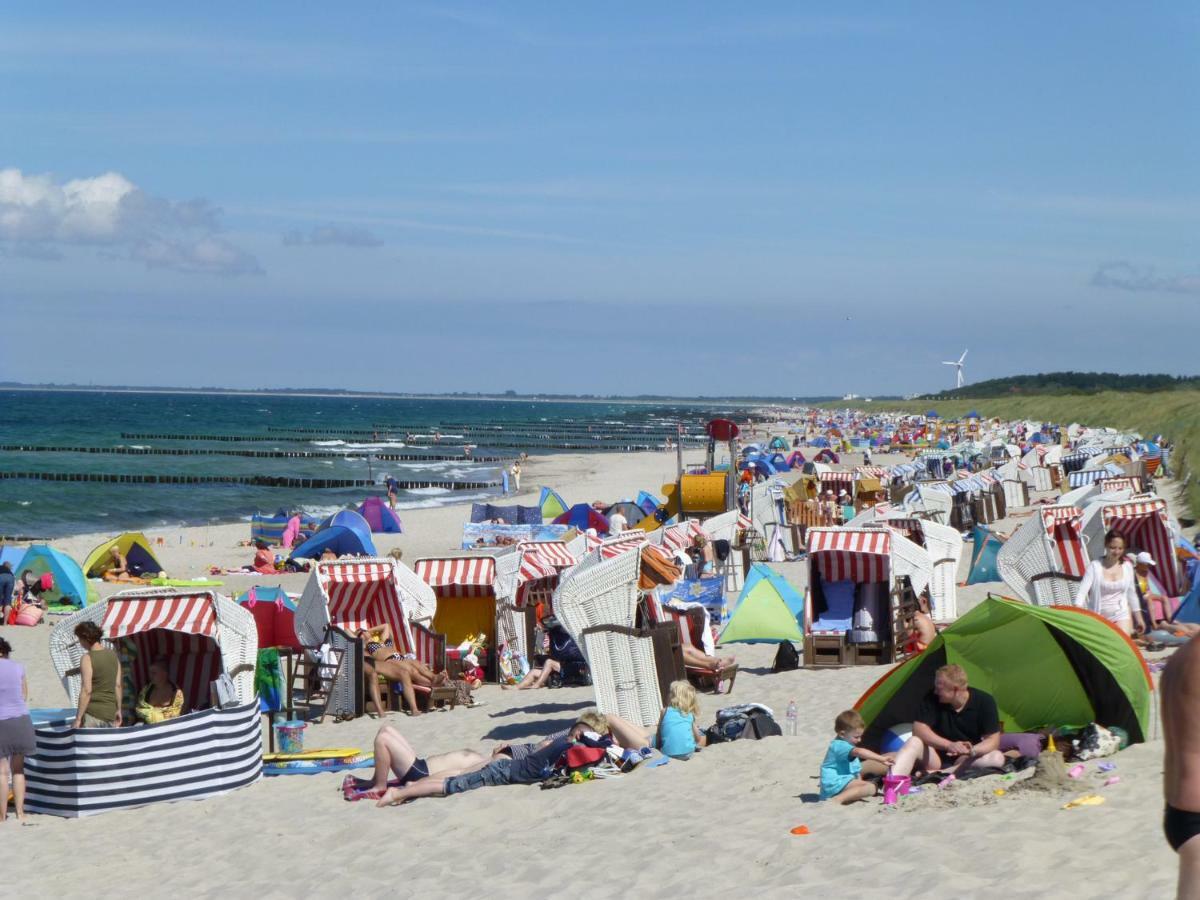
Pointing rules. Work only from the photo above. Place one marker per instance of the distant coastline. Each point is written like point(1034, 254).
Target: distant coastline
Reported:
point(642, 399)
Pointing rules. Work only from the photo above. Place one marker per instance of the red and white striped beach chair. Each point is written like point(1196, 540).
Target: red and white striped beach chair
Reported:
point(691, 624)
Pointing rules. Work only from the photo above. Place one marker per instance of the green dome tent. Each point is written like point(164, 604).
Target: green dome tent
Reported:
point(1046, 666)
point(768, 611)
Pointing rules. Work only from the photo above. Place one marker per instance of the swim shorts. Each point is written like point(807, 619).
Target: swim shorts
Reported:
point(1180, 825)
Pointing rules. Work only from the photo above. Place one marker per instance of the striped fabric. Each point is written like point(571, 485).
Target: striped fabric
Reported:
point(364, 595)
point(836, 480)
point(1064, 528)
point(535, 572)
point(593, 541)
point(94, 770)
point(472, 576)
point(744, 522)
point(1144, 525)
point(685, 626)
point(554, 553)
point(1122, 483)
point(187, 613)
point(677, 537)
point(622, 545)
point(879, 472)
point(858, 556)
point(193, 661)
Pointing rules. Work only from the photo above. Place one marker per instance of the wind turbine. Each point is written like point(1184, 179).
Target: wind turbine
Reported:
point(958, 368)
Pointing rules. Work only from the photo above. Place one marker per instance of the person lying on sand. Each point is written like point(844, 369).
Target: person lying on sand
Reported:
point(394, 755)
point(957, 728)
point(531, 769)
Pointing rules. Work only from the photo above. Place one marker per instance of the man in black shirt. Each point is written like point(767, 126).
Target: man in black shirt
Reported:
point(956, 728)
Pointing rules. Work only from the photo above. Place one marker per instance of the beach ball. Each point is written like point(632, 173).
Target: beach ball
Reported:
point(895, 737)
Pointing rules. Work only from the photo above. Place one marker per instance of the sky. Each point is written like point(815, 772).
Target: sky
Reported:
point(686, 198)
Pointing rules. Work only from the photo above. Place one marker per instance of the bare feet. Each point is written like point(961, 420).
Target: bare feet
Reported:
point(391, 797)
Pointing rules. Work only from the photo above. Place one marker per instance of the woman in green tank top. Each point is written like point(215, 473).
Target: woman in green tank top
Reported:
point(100, 681)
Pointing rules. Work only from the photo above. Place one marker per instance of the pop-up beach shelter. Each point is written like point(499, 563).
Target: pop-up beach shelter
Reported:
point(582, 517)
point(647, 502)
point(69, 584)
point(551, 504)
point(983, 556)
point(12, 556)
point(381, 517)
point(1189, 608)
point(1046, 667)
point(345, 533)
point(768, 611)
point(133, 546)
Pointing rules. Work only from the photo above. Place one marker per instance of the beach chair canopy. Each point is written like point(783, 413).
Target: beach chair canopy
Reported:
point(70, 586)
point(768, 611)
point(200, 633)
point(133, 546)
point(350, 595)
point(381, 517)
point(1049, 667)
point(1145, 526)
point(345, 533)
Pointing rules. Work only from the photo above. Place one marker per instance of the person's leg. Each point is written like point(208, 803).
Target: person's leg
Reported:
point(393, 754)
point(18, 784)
point(855, 791)
point(538, 677)
point(915, 755)
point(1126, 625)
point(395, 670)
point(426, 787)
point(870, 767)
point(628, 735)
point(4, 788)
point(1188, 886)
point(372, 679)
point(993, 760)
point(694, 656)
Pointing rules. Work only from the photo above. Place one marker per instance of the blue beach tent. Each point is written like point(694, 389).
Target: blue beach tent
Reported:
point(769, 611)
point(69, 584)
point(345, 533)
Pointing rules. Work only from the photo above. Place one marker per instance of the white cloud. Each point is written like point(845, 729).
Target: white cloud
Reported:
point(209, 254)
point(1128, 277)
point(39, 215)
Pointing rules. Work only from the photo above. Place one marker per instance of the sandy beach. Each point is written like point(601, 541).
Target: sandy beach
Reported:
point(716, 824)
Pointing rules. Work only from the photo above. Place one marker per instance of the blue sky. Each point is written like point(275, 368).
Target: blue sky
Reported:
point(708, 198)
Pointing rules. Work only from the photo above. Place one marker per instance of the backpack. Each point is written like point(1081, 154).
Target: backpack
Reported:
point(750, 720)
point(787, 658)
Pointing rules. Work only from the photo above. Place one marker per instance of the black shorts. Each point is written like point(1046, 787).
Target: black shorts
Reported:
point(1180, 826)
point(418, 770)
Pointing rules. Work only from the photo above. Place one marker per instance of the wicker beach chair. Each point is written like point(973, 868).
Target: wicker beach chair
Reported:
point(597, 602)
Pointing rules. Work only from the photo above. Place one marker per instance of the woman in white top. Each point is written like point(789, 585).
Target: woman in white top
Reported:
point(1109, 586)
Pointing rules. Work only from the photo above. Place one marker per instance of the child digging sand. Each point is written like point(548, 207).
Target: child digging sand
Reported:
point(844, 762)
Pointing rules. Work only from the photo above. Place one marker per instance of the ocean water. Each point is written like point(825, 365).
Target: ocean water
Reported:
point(98, 419)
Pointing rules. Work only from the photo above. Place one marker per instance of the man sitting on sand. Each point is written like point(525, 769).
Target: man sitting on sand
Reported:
point(1180, 689)
point(957, 728)
point(533, 768)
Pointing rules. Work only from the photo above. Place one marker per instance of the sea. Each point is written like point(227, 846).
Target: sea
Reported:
point(349, 433)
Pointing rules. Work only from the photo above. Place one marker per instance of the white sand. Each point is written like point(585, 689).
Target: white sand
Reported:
point(716, 824)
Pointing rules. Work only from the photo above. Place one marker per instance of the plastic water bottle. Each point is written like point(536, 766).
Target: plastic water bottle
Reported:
point(791, 718)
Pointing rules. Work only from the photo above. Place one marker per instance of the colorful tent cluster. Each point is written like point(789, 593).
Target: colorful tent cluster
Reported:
point(1046, 667)
point(582, 517)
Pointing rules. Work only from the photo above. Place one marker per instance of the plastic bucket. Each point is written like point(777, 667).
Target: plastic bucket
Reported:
point(290, 736)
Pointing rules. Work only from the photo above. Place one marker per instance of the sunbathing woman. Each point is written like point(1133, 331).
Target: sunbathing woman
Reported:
point(161, 699)
point(382, 658)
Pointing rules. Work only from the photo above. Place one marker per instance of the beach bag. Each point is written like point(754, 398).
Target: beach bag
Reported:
point(749, 720)
point(787, 658)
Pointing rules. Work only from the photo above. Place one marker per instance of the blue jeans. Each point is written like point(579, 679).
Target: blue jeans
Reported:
point(498, 771)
